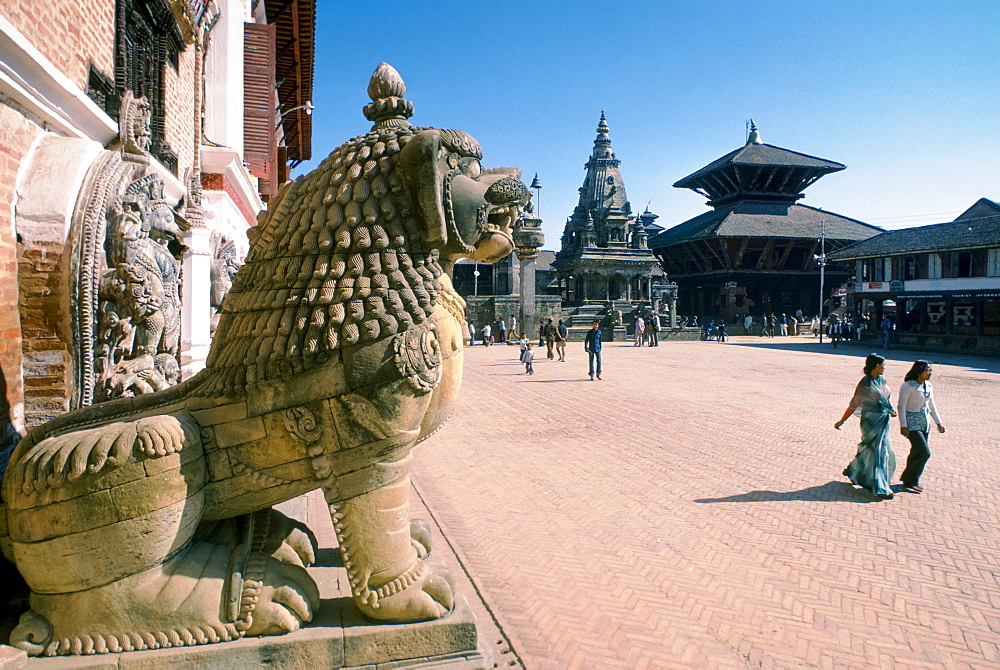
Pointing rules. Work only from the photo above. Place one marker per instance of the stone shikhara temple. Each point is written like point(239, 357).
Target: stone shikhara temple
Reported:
point(605, 256)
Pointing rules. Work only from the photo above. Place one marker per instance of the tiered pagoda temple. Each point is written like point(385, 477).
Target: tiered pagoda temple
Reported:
point(605, 254)
point(754, 253)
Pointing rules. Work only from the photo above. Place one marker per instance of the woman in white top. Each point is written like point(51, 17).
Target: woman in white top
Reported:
point(916, 397)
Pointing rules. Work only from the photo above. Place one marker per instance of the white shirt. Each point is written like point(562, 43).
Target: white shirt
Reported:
point(913, 398)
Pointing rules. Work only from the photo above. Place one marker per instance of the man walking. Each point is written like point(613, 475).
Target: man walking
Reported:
point(654, 329)
point(562, 333)
point(592, 345)
point(502, 331)
point(550, 338)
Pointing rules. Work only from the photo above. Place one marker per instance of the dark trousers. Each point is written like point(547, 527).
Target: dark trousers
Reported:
point(920, 452)
point(594, 355)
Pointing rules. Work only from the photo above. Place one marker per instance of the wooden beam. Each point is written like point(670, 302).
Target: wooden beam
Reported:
point(766, 253)
point(697, 260)
point(788, 177)
point(711, 247)
point(789, 244)
point(809, 257)
point(734, 184)
point(767, 184)
point(720, 185)
point(739, 256)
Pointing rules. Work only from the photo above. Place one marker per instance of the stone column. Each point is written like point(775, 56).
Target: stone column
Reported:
point(528, 240)
point(196, 308)
point(672, 297)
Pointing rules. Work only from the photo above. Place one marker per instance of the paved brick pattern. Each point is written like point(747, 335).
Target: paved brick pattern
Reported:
point(689, 511)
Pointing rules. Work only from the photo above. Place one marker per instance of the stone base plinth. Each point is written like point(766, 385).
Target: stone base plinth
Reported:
point(338, 636)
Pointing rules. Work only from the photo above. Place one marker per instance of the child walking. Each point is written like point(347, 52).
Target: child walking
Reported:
point(527, 357)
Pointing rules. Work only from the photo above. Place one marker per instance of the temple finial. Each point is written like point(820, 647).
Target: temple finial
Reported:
point(602, 126)
point(753, 137)
point(388, 106)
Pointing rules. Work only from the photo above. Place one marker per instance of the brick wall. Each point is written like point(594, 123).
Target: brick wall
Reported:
point(68, 33)
point(180, 117)
point(45, 332)
point(16, 136)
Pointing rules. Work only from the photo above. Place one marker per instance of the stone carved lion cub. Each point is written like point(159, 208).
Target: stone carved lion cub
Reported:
point(146, 523)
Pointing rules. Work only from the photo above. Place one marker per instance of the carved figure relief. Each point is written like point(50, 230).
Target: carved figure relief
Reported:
point(338, 348)
point(223, 269)
point(127, 272)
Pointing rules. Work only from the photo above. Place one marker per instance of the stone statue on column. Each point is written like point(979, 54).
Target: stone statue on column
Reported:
point(528, 241)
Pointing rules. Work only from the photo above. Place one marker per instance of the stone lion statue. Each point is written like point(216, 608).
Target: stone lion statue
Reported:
point(146, 522)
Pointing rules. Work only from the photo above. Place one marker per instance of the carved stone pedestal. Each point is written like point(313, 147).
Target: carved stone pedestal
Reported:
point(618, 334)
point(338, 636)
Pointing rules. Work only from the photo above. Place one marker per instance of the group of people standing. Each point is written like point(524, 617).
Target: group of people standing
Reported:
point(845, 329)
point(647, 329)
point(491, 333)
point(875, 462)
point(771, 323)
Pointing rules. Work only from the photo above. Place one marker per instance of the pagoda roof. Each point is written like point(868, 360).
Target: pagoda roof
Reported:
point(800, 221)
point(962, 234)
point(758, 171)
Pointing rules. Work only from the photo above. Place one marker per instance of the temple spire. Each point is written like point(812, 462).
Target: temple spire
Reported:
point(754, 136)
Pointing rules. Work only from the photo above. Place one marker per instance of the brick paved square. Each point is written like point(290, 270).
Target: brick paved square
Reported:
point(689, 511)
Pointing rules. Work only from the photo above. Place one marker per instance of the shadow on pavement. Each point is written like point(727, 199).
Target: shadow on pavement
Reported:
point(829, 492)
point(549, 381)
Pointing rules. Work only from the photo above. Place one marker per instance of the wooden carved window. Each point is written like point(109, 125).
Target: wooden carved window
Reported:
point(933, 266)
point(146, 41)
point(101, 90)
point(993, 263)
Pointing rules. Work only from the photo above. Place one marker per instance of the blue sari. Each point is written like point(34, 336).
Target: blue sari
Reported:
point(875, 462)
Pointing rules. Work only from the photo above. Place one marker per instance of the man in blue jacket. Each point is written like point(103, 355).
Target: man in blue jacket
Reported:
point(592, 345)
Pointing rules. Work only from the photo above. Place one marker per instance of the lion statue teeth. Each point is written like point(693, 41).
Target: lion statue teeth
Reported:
point(146, 522)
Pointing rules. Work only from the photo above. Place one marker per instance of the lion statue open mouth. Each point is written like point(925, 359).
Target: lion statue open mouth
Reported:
point(146, 522)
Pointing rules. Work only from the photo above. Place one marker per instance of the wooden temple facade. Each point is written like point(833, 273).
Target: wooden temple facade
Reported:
point(755, 252)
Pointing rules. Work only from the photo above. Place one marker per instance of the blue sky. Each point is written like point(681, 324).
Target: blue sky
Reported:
point(906, 94)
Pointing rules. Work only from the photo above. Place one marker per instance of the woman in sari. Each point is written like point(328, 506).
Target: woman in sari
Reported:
point(875, 462)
